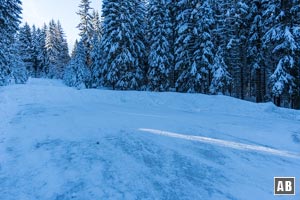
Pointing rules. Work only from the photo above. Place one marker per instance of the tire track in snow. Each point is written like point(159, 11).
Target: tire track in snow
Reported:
point(224, 143)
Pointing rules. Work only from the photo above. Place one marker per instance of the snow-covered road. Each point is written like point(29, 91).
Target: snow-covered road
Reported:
point(60, 143)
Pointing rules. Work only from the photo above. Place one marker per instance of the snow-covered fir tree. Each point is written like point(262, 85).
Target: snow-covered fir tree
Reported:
point(284, 39)
point(52, 50)
point(77, 73)
point(85, 27)
point(74, 49)
point(188, 74)
point(44, 55)
point(96, 66)
point(139, 10)
point(26, 48)
point(235, 55)
point(96, 25)
point(221, 79)
point(63, 50)
point(204, 47)
point(10, 15)
point(96, 54)
point(39, 49)
point(39, 45)
point(160, 55)
point(121, 44)
point(255, 52)
point(34, 43)
point(56, 49)
point(18, 68)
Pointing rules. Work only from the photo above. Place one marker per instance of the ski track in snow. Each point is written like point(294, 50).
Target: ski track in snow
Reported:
point(224, 143)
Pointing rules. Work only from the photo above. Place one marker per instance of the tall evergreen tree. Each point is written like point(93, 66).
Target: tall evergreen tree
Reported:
point(10, 15)
point(194, 46)
point(160, 57)
point(96, 54)
point(173, 9)
point(255, 53)
point(44, 53)
point(41, 52)
point(85, 25)
point(121, 44)
point(236, 57)
point(221, 78)
point(140, 25)
point(34, 36)
point(284, 40)
point(63, 50)
point(96, 67)
point(18, 68)
point(57, 50)
point(52, 50)
point(188, 74)
point(77, 73)
point(96, 25)
point(86, 28)
point(203, 56)
point(39, 55)
point(26, 48)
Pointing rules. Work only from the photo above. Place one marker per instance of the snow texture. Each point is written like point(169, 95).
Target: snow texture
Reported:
point(61, 143)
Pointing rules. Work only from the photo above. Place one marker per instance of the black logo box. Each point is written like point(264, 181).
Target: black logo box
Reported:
point(281, 184)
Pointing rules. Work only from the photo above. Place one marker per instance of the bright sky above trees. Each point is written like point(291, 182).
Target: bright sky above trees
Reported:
point(40, 11)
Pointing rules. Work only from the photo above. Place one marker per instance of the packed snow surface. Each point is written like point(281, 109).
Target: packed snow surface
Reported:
point(59, 143)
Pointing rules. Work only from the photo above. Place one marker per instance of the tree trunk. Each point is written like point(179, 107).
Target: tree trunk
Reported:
point(259, 98)
point(242, 83)
point(264, 85)
point(277, 101)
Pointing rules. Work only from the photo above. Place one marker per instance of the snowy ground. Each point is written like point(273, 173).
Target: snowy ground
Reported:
point(59, 143)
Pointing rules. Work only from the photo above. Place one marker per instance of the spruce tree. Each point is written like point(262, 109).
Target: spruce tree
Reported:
point(122, 45)
point(189, 77)
point(221, 79)
point(52, 50)
point(41, 52)
point(34, 36)
point(96, 26)
point(10, 15)
point(235, 55)
point(160, 57)
point(194, 46)
point(96, 54)
point(283, 38)
point(57, 50)
point(85, 25)
point(18, 68)
point(204, 48)
point(255, 52)
point(86, 28)
point(63, 50)
point(26, 48)
point(77, 73)
point(44, 55)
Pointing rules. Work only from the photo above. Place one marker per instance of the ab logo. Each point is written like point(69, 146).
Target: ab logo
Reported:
point(284, 186)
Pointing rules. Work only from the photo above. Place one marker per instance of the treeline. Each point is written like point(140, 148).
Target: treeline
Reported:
point(44, 51)
point(29, 51)
point(248, 49)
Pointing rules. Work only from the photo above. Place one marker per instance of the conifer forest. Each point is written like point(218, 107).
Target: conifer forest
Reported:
point(248, 49)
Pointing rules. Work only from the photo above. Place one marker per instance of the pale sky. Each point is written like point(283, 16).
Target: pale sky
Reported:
point(39, 12)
